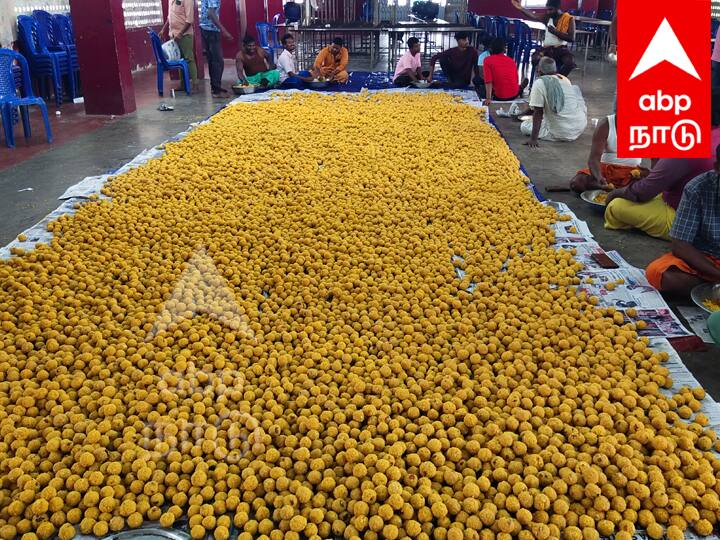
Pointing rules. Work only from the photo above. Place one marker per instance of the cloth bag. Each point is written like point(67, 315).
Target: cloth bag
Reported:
point(171, 51)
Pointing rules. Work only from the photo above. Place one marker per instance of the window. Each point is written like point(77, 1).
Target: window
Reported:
point(142, 13)
point(26, 7)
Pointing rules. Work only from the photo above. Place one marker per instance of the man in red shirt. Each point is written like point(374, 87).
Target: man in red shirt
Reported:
point(501, 75)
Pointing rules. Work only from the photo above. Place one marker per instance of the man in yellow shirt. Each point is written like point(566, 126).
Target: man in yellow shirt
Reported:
point(331, 63)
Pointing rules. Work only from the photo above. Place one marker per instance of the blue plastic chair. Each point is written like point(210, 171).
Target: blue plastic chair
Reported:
point(501, 27)
point(163, 64)
point(267, 37)
point(10, 100)
point(526, 46)
point(43, 62)
point(489, 25)
point(367, 12)
point(63, 31)
point(513, 40)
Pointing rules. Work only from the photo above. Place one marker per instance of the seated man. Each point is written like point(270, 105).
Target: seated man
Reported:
point(650, 203)
point(458, 63)
point(331, 63)
point(289, 76)
point(409, 67)
point(559, 110)
point(486, 42)
point(253, 65)
point(695, 236)
point(559, 32)
point(500, 75)
point(606, 170)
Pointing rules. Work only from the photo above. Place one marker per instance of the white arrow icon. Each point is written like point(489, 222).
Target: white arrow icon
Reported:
point(202, 290)
point(665, 46)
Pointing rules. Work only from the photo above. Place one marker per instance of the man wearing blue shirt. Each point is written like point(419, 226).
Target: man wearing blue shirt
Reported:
point(211, 28)
point(695, 236)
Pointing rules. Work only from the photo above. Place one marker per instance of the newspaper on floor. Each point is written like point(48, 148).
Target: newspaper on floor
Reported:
point(572, 228)
point(660, 322)
point(697, 319)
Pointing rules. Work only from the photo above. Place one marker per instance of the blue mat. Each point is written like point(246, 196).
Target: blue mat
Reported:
point(535, 190)
point(370, 80)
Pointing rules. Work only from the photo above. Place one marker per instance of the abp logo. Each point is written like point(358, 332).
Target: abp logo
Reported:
point(663, 79)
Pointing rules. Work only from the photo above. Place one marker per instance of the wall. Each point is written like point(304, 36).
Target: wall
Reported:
point(139, 47)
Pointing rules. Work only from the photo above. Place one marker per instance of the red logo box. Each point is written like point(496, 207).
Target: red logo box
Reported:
point(663, 102)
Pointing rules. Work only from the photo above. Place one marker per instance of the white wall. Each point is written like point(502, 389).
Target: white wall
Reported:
point(7, 24)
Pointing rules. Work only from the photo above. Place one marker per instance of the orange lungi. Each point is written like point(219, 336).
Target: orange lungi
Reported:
point(617, 175)
point(659, 266)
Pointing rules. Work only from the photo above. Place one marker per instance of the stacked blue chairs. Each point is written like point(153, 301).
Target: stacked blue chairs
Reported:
point(367, 11)
point(66, 38)
point(163, 65)
point(489, 25)
point(47, 30)
point(513, 39)
point(501, 27)
point(43, 63)
point(714, 25)
point(52, 38)
point(525, 48)
point(10, 61)
point(605, 14)
point(514, 42)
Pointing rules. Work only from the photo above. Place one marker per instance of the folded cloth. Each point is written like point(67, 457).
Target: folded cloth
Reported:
point(659, 266)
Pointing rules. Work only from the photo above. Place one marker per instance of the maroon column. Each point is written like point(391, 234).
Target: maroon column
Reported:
point(104, 59)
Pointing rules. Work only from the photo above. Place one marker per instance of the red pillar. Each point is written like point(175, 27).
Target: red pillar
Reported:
point(104, 59)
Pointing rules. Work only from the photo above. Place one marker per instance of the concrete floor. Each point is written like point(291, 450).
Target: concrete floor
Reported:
point(114, 144)
point(557, 163)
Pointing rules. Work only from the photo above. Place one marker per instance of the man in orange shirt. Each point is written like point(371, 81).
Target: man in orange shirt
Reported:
point(181, 16)
point(331, 63)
